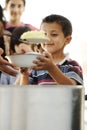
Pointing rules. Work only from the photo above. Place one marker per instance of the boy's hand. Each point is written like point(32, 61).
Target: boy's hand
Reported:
point(43, 62)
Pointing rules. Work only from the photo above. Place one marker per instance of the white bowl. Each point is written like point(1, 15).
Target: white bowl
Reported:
point(23, 60)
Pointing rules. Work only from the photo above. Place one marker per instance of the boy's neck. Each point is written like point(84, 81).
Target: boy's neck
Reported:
point(57, 59)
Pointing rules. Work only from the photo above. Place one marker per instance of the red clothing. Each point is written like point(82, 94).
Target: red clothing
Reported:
point(10, 28)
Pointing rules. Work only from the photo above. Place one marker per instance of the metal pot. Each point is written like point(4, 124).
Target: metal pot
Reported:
point(41, 107)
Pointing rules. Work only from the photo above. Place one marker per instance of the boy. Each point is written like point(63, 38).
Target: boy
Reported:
point(55, 67)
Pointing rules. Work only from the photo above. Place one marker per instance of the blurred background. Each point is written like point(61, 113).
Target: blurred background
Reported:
point(75, 11)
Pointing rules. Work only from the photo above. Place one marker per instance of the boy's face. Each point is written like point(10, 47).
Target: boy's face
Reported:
point(57, 38)
point(23, 48)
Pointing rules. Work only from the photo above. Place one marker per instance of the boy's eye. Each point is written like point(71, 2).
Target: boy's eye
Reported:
point(54, 34)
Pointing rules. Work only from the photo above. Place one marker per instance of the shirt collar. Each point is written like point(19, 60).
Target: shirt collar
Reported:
point(66, 58)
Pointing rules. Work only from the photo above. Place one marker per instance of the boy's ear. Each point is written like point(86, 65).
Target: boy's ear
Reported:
point(68, 39)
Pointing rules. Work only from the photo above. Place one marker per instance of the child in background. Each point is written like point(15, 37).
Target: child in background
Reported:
point(15, 10)
point(4, 47)
point(4, 40)
point(16, 47)
point(55, 67)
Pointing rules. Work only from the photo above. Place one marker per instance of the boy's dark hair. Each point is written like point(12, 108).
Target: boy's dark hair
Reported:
point(61, 20)
point(17, 32)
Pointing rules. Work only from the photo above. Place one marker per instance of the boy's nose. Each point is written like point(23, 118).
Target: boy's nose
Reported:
point(48, 36)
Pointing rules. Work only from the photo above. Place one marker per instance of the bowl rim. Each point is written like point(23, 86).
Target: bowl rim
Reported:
point(28, 53)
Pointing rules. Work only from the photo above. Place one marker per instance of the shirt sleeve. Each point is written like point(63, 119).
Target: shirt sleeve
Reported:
point(73, 70)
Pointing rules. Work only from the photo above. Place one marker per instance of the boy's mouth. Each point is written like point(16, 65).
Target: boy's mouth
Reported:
point(49, 44)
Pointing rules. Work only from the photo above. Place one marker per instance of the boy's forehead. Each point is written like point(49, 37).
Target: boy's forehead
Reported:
point(51, 26)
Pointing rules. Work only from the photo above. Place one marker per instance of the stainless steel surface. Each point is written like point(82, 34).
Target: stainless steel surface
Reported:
point(85, 116)
point(41, 108)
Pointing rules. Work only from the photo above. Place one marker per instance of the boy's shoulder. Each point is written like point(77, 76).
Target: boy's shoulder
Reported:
point(73, 62)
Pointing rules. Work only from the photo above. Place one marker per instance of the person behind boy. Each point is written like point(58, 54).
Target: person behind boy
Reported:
point(15, 10)
point(16, 47)
point(55, 67)
point(19, 47)
point(4, 47)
